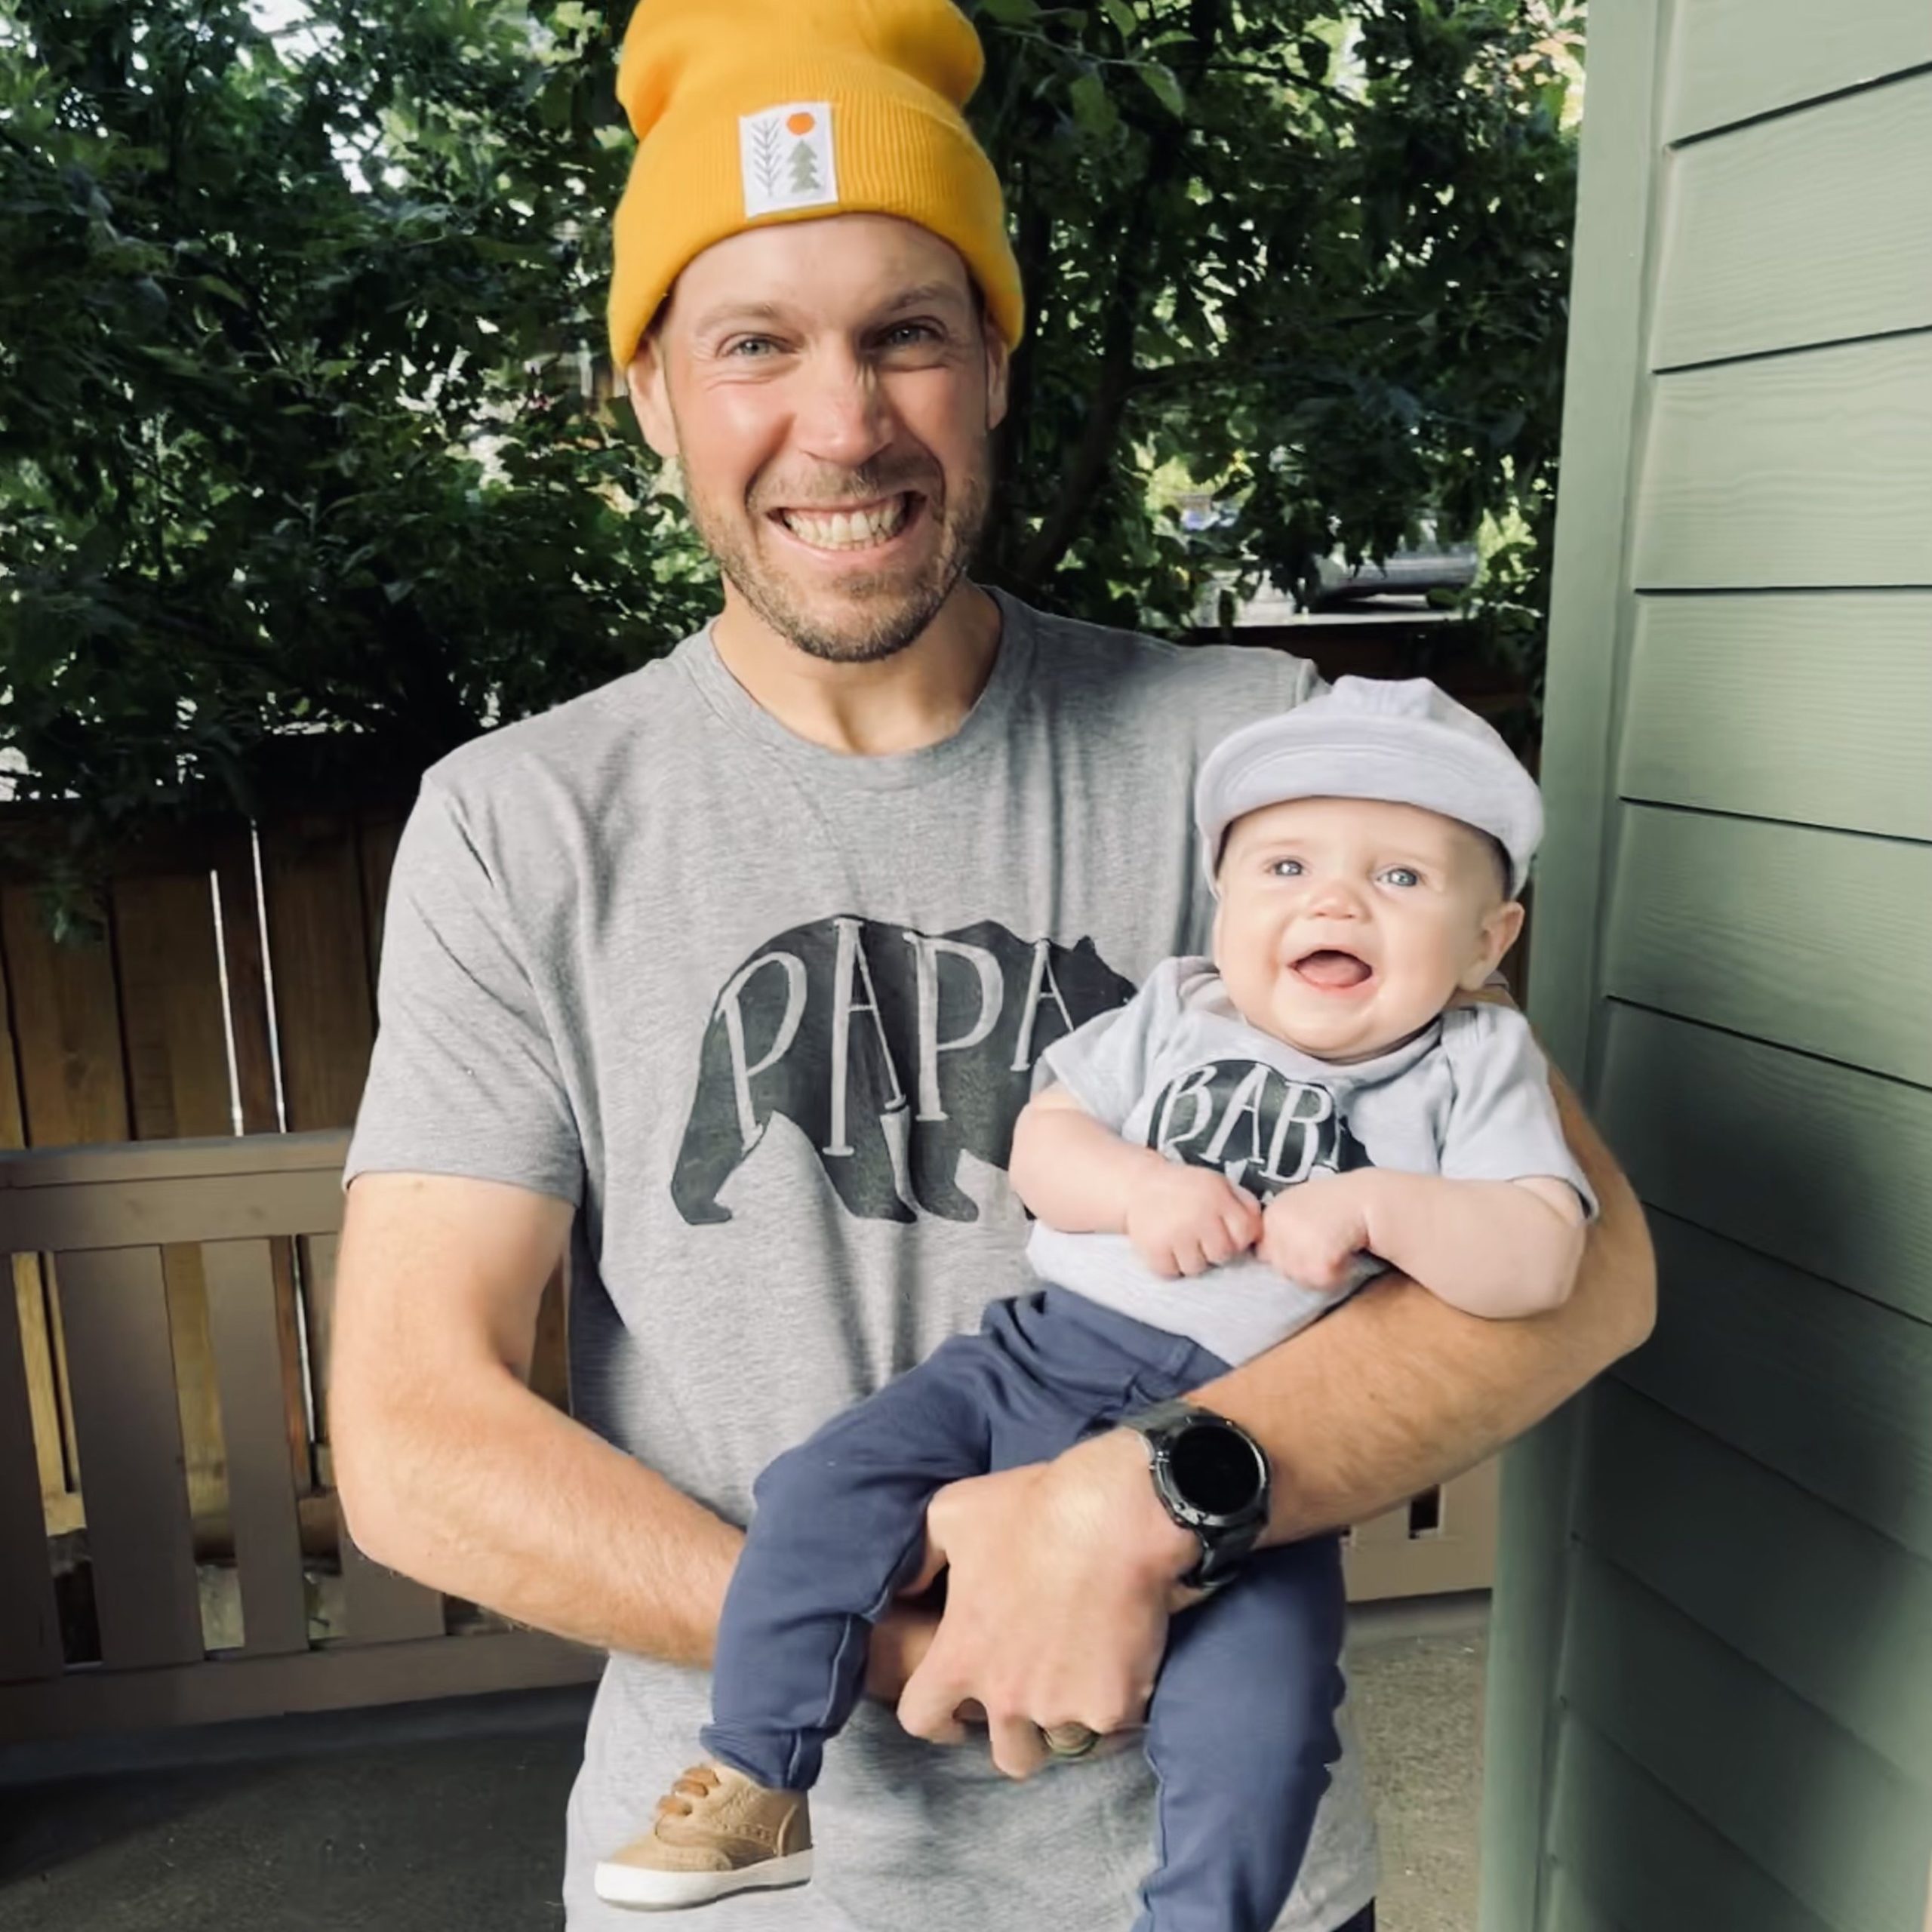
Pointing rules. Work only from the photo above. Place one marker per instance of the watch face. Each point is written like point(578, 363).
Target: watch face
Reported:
point(1214, 1470)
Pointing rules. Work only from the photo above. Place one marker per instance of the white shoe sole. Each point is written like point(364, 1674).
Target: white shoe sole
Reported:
point(671, 1891)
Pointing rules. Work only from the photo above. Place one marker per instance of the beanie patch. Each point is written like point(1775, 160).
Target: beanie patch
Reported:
point(785, 153)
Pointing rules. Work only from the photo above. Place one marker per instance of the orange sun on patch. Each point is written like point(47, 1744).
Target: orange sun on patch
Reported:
point(800, 123)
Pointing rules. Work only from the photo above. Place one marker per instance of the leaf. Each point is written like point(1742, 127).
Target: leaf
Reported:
point(1093, 109)
point(1164, 88)
point(1127, 22)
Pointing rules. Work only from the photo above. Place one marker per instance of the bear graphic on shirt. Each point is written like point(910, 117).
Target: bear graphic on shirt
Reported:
point(894, 1051)
point(1249, 1121)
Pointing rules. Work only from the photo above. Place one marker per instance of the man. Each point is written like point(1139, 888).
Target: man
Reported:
point(730, 977)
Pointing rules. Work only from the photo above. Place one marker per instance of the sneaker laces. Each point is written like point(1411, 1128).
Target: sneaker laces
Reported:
point(690, 1789)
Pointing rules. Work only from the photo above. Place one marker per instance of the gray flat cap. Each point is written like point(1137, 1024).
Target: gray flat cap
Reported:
point(1403, 740)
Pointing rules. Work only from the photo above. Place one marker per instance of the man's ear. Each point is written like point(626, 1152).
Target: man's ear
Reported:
point(999, 371)
point(650, 397)
point(1500, 931)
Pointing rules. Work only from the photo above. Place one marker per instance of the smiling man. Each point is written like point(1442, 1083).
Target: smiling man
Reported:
point(729, 979)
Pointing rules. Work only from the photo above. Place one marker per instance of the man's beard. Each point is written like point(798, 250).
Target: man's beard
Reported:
point(891, 609)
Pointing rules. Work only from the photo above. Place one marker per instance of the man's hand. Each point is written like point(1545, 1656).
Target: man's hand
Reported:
point(900, 1641)
point(1184, 1220)
point(1060, 1578)
point(1312, 1233)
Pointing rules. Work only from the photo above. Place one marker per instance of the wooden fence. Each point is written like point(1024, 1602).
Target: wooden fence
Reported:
point(150, 1614)
point(230, 989)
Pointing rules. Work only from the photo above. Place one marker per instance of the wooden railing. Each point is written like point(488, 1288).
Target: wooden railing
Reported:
point(120, 1607)
point(1443, 1542)
point(126, 1604)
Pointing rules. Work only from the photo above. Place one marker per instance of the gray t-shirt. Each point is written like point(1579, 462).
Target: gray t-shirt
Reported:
point(1179, 1070)
point(766, 1012)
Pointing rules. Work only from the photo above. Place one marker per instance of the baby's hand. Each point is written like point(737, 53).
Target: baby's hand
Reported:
point(1185, 1220)
point(1312, 1233)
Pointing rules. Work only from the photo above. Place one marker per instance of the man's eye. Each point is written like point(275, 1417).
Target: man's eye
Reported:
point(906, 335)
point(751, 348)
point(1402, 875)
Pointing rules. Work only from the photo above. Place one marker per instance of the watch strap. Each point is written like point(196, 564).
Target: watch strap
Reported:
point(1225, 1544)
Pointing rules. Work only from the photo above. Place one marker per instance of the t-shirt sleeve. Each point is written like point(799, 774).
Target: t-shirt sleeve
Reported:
point(465, 1079)
point(1503, 1120)
point(1103, 1064)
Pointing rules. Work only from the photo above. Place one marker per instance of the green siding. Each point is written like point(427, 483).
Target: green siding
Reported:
point(1818, 1812)
point(1734, 58)
point(1833, 187)
point(1811, 469)
point(1710, 1701)
point(1783, 932)
point(1828, 1626)
point(1819, 1385)
point(1813, 1163)
point(1807, 707)
point(1619, 1837)
point(1571, 1909)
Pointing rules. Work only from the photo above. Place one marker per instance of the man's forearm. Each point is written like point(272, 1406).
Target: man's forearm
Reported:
point(1396, 1391)
point(483, 1490)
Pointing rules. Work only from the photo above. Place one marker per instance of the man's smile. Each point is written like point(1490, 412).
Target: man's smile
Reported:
point(850, 527)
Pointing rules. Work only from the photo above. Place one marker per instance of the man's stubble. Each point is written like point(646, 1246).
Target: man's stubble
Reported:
point(886, 611)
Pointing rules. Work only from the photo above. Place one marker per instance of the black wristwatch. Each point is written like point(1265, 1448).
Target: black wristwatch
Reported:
point(1212, 1478)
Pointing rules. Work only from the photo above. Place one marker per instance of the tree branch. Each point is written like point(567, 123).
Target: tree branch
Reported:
point(1094, 452)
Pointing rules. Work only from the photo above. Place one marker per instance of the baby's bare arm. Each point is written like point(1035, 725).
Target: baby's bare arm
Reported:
point(1492, 1248)
point(1074, 1171)
point(1077, 1175)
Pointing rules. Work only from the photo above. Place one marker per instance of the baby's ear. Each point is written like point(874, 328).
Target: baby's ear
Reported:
point(1500, 930)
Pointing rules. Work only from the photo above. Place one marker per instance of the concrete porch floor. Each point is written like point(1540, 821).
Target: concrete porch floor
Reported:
point(448, 1819)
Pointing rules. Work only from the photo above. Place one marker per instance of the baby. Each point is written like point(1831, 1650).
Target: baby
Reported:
point(1212, 1166)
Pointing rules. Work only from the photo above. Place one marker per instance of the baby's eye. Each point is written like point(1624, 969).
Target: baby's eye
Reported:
point(1285, 868)
point(1401, 875)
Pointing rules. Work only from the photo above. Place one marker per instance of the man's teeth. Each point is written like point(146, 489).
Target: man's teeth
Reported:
point(847, 529)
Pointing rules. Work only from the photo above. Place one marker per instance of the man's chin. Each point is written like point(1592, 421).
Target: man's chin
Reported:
point(859, 620)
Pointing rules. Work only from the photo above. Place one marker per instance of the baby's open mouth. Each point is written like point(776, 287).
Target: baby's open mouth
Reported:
point(1334, 971)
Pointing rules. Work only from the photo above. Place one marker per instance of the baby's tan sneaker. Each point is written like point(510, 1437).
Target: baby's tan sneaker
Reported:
point(716, 1831)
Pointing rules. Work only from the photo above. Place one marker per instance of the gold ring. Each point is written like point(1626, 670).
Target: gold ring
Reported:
point(1068, 1740)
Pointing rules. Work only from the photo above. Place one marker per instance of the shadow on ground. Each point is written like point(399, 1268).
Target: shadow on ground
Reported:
point(1418, 1695)
point(456, 1832)
point(451, 1817)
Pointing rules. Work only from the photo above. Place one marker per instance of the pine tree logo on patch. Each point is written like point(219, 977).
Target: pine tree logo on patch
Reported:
point(785, 153)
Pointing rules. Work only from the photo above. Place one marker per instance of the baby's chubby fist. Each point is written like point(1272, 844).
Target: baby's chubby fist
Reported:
point(1184, 1220)
point(1312, 1233)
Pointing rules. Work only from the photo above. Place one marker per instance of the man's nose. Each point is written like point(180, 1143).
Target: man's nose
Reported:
point(843, 416)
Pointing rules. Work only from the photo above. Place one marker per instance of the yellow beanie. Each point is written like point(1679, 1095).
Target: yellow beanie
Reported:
point(749, 111)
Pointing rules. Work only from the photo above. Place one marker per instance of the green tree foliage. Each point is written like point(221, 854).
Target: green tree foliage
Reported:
point(296, 444)
point(1320, 265)
point(293, 438)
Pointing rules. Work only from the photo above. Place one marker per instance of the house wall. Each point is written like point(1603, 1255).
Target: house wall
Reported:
point(1711, 1703)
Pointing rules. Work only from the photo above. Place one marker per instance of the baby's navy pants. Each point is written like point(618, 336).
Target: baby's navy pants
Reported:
point(1241, 1730)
